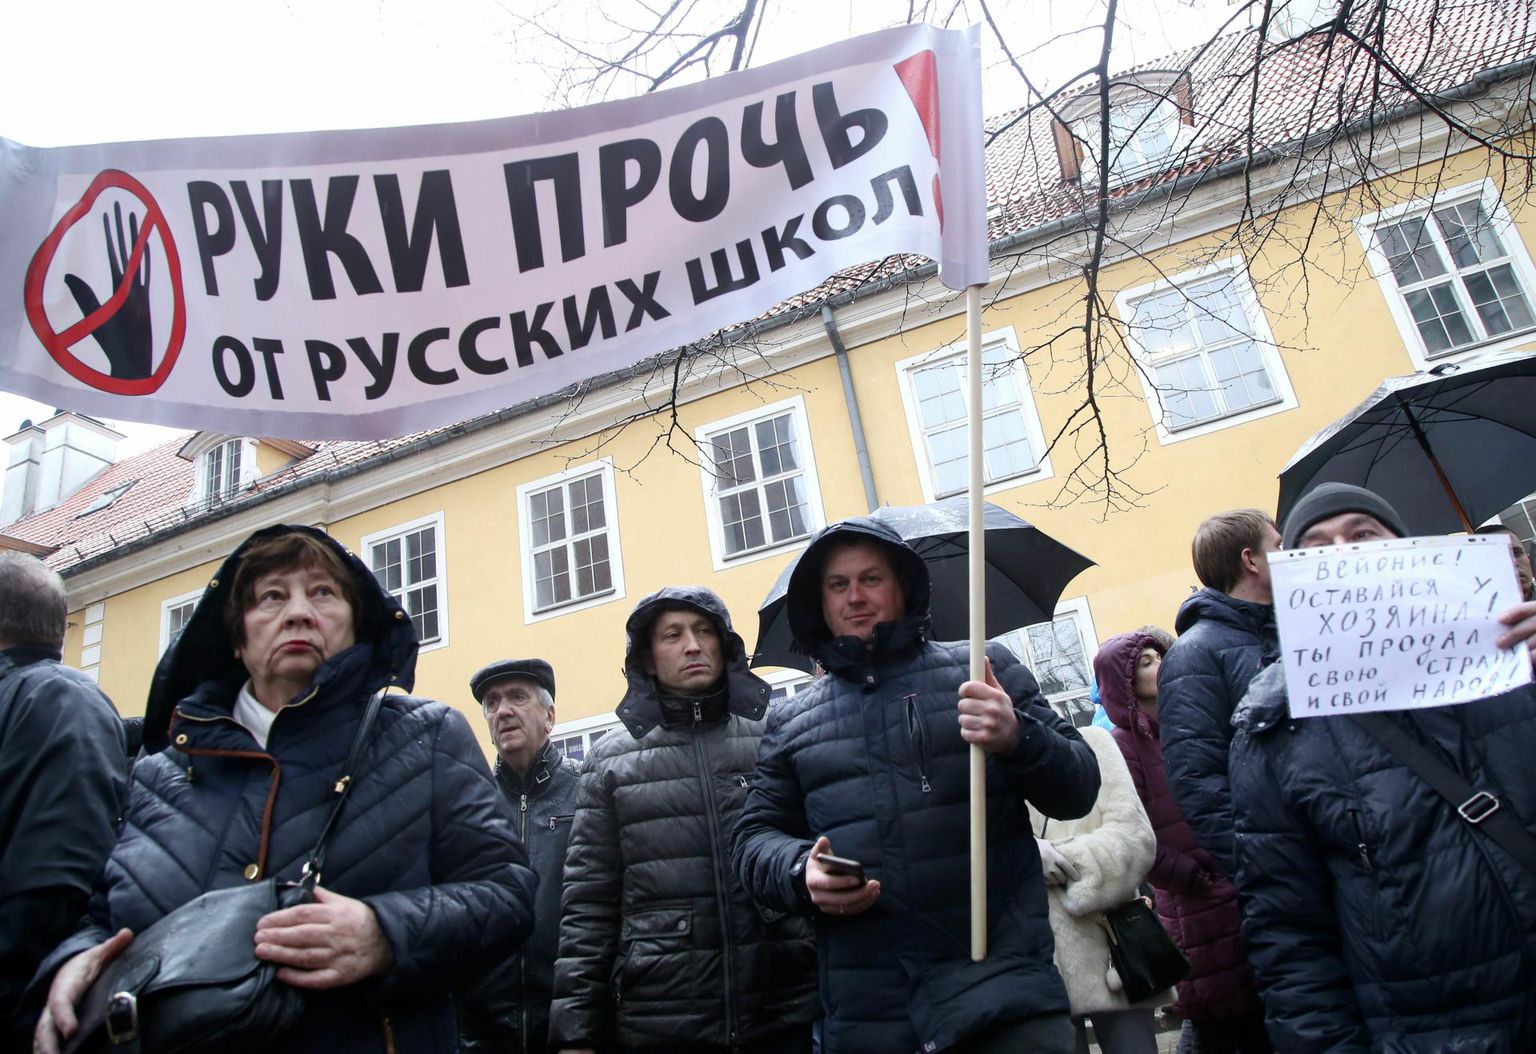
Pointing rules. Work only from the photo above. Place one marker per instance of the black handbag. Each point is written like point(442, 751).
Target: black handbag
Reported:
point(1144, 955)
point(192, 981)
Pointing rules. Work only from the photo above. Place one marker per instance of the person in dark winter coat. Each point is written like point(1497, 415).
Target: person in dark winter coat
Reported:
point(62, 781)
point(250, 718)
point(508, 1011)
point(660, 948)
point(872, 762)
point(1377, 917)
point(1219, 1000)
point(1226, 636)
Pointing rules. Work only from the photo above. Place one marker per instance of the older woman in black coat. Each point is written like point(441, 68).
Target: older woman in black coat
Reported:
point(250, 719)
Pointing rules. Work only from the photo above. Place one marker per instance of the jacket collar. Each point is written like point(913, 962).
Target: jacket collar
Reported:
point(1221, 607)
point(26, 654)
point(853, 660)
point(545, 764)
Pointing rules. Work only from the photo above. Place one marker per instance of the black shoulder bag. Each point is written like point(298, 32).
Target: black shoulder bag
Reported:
point(1480, 809)
point(191, 981)
point(1145, 957)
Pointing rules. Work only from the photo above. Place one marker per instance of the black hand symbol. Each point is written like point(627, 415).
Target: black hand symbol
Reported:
point(127, 337)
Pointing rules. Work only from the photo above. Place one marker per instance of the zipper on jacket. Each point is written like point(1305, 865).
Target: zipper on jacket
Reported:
point(555, 820)
point(919, 746)
point(522, 959)
point(1360, 848)
point(722, 882)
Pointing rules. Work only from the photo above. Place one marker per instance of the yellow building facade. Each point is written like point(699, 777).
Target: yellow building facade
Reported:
point(466, 520)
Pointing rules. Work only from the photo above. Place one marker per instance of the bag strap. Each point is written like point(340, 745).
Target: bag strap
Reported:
point(316, 861)
point(1481, 809)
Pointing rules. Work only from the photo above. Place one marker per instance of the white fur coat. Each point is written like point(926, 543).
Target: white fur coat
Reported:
point(1112, 848)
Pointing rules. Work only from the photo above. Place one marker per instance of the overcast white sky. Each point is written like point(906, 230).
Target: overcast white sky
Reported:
point(84, 71)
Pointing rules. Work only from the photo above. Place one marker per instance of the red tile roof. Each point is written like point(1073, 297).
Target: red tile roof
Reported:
point(1303, 86)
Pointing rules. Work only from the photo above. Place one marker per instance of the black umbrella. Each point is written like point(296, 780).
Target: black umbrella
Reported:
point(1027, 570)
point(1449, 448)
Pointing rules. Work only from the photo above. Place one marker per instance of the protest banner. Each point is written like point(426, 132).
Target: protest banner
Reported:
point(363, 284)
point(1401, 624)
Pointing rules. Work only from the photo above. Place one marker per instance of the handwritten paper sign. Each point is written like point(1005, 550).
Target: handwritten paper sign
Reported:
point(1395, 625)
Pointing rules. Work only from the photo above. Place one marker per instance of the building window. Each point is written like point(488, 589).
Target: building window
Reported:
point(1057, 653)
point(569, 528)
point(785, 685)
point(408, 562)
point(759, 478)
point(221, 470)
point(576, 739)
point(1456, 273)
point(935, 392)
point(175, 613)
point(1207, 354)
point(1150, 121)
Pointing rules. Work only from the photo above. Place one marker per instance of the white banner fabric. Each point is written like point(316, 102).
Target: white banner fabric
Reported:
point(370, 283)
point(1395, 625)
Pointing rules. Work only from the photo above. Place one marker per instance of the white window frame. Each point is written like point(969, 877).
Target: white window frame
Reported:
point(1077, 609)
point(815, 516)
point(792, 680)
point(1263, 338)
point(584, 727)
point(169, 605)
point(434, 520)
point(603, 468)
point(1082, 117)
point(1005, 337)
point(201, 492)
point(1486, 192)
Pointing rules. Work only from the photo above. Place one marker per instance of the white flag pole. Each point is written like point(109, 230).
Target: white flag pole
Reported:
point(978, 621)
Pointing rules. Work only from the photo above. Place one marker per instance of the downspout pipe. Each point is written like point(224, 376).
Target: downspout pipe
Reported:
point(855, 420)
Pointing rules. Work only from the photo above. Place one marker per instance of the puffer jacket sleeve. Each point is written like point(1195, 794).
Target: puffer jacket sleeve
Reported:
point(582, 1013)
point(1194, 715)
point(480, 903)
point(63, 776)
point(1051, 767)
point(1113, 858)
point(772, 831)
point(1172, 870)
point(1288, 919)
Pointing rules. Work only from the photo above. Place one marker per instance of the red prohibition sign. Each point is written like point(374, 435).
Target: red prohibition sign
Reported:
point(59, 344)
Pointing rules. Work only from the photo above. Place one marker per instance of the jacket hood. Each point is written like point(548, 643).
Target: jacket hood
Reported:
point(640, 709)
point(203, 654)
point(1216, 606)
point(802, 598)
point(1114, 667)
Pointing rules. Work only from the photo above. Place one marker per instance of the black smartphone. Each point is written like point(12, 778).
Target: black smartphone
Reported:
point(841, 865)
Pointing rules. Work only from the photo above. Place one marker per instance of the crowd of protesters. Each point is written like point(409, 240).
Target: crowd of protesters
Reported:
point(721, 875)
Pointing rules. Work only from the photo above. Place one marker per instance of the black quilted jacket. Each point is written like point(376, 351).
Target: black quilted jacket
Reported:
point(1378, 919)
point(1224, 642)
point(871, 756)
point(659, 944)
point(508, 1011)
point(422, 839)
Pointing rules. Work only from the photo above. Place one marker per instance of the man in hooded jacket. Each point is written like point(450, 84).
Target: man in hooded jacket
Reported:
point(1379, 916)
point(660, 947)
point(872, 762)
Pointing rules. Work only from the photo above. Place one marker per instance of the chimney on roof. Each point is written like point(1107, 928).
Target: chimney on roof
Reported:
point(52, 460)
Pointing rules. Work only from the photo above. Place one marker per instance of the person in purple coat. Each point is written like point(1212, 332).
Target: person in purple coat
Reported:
point(1219, 1001)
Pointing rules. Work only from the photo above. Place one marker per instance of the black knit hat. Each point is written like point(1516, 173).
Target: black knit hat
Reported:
point(536, 670)
point(1331, 499)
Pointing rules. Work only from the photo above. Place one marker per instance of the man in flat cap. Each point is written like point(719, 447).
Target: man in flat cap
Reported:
point(509, 1010)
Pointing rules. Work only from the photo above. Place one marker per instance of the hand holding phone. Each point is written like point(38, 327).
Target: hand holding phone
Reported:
point(841, 865)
